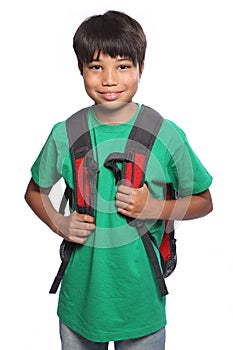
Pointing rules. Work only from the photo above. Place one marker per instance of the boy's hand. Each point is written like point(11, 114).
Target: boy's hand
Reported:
point(75, 227)
point(134, 202)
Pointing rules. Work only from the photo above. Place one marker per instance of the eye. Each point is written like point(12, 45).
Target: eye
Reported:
point(95, 67)
point(124, 66)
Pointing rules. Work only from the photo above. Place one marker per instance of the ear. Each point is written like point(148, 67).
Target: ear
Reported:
point(80, 67)
point(142, 69)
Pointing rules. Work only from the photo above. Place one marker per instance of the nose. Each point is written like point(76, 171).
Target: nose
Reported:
point(110, 77)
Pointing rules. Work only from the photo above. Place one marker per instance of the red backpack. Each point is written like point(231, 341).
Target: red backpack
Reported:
point(134, 162)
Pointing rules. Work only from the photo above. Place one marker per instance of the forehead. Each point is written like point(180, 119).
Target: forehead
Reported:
point(100, 55)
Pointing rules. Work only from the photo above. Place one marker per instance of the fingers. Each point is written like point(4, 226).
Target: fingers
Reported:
point(123, 196)
point(80, 226)
point(84, 218)
point(131, 201)
point(129, 190)
point(122, 200)
point(125, 189)
point(128, 195)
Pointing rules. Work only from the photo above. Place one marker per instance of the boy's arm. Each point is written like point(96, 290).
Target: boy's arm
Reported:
point(74, 228)
point(138, 203)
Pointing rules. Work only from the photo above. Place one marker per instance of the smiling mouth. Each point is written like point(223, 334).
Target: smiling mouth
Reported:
point(110, 96)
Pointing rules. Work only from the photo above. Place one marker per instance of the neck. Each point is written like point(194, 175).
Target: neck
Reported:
point(114, 114)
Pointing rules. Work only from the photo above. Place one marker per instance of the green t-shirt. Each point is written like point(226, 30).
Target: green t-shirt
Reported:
point(109, 291)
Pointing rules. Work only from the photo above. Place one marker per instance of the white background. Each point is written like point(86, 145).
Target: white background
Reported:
point(188, 78)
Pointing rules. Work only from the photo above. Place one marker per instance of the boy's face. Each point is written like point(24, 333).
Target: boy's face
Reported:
point(111, 80)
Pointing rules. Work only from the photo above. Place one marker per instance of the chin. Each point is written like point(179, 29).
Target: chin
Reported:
point(111, 105)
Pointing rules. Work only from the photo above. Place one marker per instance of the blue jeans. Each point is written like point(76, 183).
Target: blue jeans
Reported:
point(73, 341)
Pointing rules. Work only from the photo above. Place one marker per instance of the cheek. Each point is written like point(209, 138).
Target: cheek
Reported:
point(134, 82)
point(87, 87)
point(135, 78)
point(89, 78)
point(89, 82)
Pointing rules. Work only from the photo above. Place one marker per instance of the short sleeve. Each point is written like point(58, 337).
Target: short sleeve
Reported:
point(189, 174)
point(45, 170)
point(186, 171)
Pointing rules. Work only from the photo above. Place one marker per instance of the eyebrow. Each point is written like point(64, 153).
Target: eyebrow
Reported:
point(118, 59)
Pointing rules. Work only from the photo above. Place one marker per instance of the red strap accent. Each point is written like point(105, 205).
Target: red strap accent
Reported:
point(134, 171)
point(139, 160)
point(87, 187)
point(82, 183)
point(79, 181)
point(165, 244)
point(128, 174)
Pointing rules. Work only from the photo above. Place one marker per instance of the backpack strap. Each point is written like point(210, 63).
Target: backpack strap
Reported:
point(84, 170)
point(84, 166)
point(138, 148)
point(168, 245)
point(134, 163)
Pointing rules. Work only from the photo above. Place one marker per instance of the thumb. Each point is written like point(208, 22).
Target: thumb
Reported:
point(85, 217)
point(145, 187)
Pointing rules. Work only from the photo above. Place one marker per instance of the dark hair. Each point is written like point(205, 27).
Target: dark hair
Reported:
point(114, 33)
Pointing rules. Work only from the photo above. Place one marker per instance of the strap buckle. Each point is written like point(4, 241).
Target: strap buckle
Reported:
point(111, 163)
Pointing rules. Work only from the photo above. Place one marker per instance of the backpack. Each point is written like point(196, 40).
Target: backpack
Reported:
point(134, 162)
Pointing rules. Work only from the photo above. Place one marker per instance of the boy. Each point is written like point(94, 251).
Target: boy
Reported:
point(108, 291)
